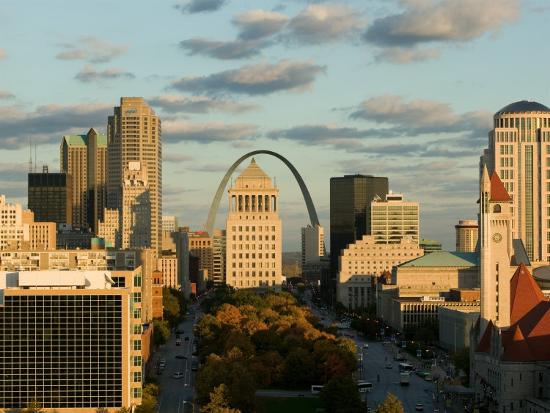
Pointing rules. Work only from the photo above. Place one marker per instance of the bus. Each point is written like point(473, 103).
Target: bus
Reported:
point(405, 368)
point(364, 386)
point(404, 378)
point(316, 388)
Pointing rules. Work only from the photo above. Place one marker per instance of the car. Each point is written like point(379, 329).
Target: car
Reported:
point(365, 345)
point(178, 375)
point(186, 338)
point(194, 368)
point(389, 366)
point(181, 357)
point(178, 342)
point(419, 407)
point(178, 332)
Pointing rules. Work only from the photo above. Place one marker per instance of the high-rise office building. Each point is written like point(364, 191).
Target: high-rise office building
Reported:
point(466, 235)
point(136, 208)
point(169, 223)
point(394, 219)
point(350, 201)
point(313, 245)
point(49, 197)
point(18, 230)
point(519, 151)
point(109, 228)
point(134, 135)
point(218, 256)
point(200, 246)
point(83, 159)
point(67, 342)
point(254, 241)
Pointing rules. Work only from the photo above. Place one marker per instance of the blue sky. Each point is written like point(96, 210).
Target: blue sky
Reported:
point(397, 88)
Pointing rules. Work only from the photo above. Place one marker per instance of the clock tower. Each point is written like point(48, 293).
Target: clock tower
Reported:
point(495, 250)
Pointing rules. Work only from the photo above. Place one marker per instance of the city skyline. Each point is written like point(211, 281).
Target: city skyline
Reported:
point(224, 94)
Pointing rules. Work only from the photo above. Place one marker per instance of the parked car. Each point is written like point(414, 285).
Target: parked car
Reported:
point(178, 375)
point(419, 407)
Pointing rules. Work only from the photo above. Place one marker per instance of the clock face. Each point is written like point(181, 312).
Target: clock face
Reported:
point(497, 237)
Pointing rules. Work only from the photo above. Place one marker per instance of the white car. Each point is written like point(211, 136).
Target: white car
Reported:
point(178, 375)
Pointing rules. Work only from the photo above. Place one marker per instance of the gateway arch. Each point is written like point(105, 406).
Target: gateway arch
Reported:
point(221, 188)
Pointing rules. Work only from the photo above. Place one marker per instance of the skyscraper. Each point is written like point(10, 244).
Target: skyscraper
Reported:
point(83, 159)
point(136, 208)
point(466, 235)
point(134, 134)
point(49, 197)
point(519, 151)
point(393, 219)
point(254, 241)
point(313, 244)
point(350, 201)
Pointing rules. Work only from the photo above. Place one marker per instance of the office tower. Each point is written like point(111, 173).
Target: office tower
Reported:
point(254, 241)
point(350, 201)
point(18, 230)
point(313, 244)
point(136, 207)
point(466, 235)
point(200, 246)
point(83, 159)
point(519, 151)
point(109, 228)
point(49, 197)
point(134, 135)
point(168, 264)
point(169, 223)
point(363, 261)
point(67, 342)
point(218, 256)
point(394, 219)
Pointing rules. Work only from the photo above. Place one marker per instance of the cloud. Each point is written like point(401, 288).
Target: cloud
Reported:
point(90, 74)
point(198, 104)
point(322, 23)
point(209, 167)
point(401, 55)
point(181, 131)
point(257, 79)
point(201, 6)
point(5, 95)
point(225, 50)
point(3, 54)
point(46, 124)
point(425, 21)
point(176, 158)
point(92, 50)
point(420, 116)
point(258, 24)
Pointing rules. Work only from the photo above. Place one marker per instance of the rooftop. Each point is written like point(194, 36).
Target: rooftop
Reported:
point(523, 106)
point(82, 140)
point(444, 259)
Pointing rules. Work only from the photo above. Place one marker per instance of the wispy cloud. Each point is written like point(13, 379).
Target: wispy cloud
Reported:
point(90, 74)
point(198, 104)
point(201, 6)
point(224, 50)
point(403, 55)
point(5, 95)
point(3, 54)
point(257, 79)
point(91, 50)
point(323, 23)
point(208, 132)
point(47, 123)
point(258, 24)
point(176, 158)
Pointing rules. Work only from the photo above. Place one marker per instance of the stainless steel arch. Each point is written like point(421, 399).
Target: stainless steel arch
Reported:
point(219, 193)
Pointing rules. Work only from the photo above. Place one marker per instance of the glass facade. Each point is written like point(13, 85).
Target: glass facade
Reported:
point(64, 351)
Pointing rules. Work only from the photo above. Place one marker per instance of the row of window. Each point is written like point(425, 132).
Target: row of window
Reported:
point(253, 273)
point(253, 255)
point(252, 228)
point(252, 247)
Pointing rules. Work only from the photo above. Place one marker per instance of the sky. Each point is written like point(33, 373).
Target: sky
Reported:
point(398, 88)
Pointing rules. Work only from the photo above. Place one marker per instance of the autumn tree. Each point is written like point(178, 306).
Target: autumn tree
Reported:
point(391, 404)
point(161, 332)
point(219, 401)
point(340, 395)
point(34, 406)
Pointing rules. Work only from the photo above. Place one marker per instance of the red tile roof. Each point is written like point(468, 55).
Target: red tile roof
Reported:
point(498, 191)
point(517, 347)
point(525, 294)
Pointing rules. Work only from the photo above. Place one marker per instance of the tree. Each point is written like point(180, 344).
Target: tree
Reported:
point(340, 395)
point(161, 332)
point(34, 406)
point(461, 360)
point(391, 404)
point(170, 306)
point(219, 401)
point(124, 410)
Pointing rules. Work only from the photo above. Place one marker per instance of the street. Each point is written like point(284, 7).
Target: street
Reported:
point(374, 366)
point(177, 394)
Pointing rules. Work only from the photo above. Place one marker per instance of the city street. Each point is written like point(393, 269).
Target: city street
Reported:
point(177, 393)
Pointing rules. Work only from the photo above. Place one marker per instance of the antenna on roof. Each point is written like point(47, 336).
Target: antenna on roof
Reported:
point(35, 157)
point(30, 156)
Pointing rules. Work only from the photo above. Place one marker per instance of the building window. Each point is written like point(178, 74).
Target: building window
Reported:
point(136, 361)
point(137, 377)
point(137, 280)
point(137, 345)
